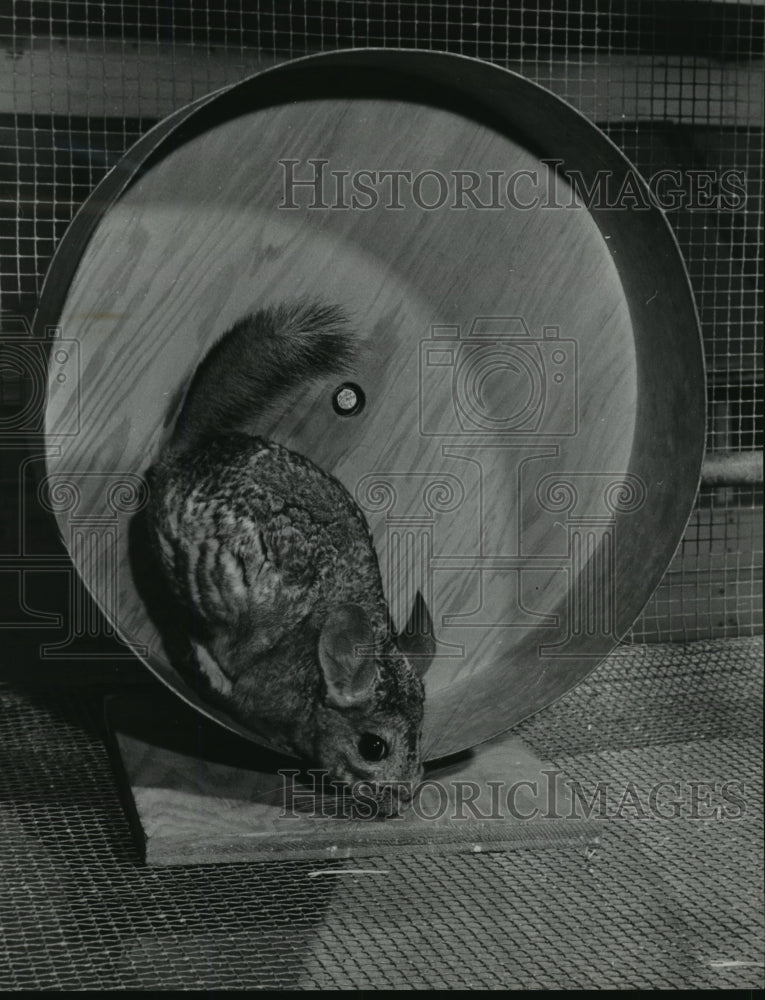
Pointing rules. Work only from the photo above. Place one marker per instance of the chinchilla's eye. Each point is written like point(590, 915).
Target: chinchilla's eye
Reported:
point(373, 747)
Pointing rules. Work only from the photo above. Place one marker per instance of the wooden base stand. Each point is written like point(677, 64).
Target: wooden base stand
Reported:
point(198, 794)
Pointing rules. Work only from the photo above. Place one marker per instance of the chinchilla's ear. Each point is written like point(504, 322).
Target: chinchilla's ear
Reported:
point(346, 656)
point(417, 641)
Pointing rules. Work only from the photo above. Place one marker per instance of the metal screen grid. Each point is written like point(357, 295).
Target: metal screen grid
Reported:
point(653, 902)
point(82, 81)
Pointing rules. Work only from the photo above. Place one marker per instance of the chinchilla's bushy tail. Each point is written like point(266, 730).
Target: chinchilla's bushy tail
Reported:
point(262, 356)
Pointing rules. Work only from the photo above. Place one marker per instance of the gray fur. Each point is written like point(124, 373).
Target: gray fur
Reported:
point(263, 550)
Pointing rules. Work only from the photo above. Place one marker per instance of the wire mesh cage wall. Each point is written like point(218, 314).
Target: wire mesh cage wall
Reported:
point(677, 85)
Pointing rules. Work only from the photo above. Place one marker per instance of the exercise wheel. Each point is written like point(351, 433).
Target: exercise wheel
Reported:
point(530, 444)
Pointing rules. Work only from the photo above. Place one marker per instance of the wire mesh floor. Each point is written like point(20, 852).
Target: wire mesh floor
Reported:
point(665, 743)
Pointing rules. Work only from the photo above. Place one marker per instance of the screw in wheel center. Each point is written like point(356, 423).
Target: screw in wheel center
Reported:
point(348, 399)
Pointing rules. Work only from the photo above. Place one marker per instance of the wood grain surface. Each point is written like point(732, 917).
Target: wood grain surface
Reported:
point(196, 795)
point(521, 534)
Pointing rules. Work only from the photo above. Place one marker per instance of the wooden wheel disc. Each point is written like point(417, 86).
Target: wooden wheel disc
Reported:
point(530, 442)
